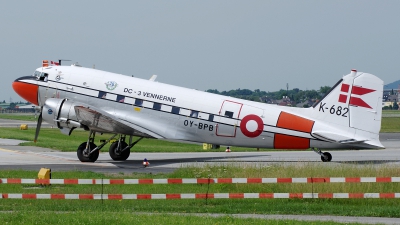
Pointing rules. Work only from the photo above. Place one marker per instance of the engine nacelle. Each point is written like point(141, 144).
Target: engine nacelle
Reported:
point(61, 113)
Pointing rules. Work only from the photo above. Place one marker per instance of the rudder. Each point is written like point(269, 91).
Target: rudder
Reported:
point(355, 102)
point(365, 100)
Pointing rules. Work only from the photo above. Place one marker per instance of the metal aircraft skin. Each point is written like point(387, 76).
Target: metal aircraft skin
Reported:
point(348, 117)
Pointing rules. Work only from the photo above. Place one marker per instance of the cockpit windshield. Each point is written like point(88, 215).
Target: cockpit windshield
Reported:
point(36, 74)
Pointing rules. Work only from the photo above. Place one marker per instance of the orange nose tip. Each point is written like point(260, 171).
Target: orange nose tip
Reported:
point(27, 91)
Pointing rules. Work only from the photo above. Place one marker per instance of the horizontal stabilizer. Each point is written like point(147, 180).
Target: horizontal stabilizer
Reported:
point(333, 137)
point(352, 141)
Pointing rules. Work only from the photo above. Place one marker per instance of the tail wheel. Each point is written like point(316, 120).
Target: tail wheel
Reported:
point(83, 155)
point(326, 157)
point(115, 152)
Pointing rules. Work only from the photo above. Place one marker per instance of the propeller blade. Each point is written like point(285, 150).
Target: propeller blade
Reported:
point(39, 124)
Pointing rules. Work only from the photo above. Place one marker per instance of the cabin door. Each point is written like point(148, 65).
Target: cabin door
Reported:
point(228, 119)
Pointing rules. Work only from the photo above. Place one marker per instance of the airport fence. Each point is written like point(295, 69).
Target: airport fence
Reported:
point(204, 180)
point(208, 181)
point(201, 196)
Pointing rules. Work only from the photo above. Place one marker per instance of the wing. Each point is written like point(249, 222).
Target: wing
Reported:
point(101, 121)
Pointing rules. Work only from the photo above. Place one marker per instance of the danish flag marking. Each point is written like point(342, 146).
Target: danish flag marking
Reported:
point(355, 101)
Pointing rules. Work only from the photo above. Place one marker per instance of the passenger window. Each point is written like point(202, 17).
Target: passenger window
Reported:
point(229, 114)
point(157, 106)
point(138, 102)
point(120, 98)
point(175, 110)
point(102, 94)
point(211, 117)
point(194, 113)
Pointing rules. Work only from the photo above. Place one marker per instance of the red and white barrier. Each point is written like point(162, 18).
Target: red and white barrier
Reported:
point(205, 180)
point(200, 196)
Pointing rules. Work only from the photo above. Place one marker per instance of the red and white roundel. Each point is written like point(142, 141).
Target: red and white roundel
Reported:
point(258, 125)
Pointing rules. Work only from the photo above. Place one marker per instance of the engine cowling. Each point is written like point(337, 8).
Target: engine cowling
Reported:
point(61, 113)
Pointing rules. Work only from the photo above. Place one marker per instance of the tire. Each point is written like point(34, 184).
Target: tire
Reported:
point(328, 157)
point(92, 157)
point(117, 156)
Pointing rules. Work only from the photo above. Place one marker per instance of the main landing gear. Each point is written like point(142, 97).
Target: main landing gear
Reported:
point(119, 150)
point(325, 156)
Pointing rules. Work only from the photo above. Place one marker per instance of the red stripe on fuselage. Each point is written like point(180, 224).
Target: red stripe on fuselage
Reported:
point(293, 122)
point(282, 141)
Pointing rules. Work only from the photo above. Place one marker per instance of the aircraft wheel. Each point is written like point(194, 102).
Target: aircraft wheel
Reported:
point(116, 154)
point(327, 157)
point(83, 157)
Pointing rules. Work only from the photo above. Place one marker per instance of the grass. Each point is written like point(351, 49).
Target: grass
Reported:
point(390, 111)
point(17, 116)
point(343, 207)
point(390, 124)
point(89, 217)
point(227, 171)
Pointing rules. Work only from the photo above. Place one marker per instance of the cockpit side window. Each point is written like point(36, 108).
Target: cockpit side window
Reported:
point(43, 76)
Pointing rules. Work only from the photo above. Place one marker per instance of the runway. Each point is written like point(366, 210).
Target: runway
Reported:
point(13, 156)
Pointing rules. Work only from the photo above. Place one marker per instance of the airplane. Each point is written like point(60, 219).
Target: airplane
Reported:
point(347, 117)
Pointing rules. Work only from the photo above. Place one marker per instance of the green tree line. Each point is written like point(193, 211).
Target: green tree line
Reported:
point(295, 95)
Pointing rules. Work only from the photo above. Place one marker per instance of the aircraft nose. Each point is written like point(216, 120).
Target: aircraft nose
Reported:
point(26, 90)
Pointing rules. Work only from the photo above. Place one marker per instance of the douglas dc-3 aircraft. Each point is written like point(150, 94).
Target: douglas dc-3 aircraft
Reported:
point(348, 117)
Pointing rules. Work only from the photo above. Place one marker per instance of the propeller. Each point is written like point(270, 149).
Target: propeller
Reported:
point(39, 124)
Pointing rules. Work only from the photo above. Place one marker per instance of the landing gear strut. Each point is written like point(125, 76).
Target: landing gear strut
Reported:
point(325, 156)
point(120, 150)
point(88, 151)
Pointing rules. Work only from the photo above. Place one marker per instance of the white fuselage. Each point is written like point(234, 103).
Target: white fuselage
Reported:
point(176, 113)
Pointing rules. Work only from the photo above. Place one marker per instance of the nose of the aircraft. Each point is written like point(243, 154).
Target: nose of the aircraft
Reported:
point(26, 90)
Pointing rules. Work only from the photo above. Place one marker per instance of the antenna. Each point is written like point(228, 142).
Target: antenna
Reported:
point(287, 89)
point(59, 61)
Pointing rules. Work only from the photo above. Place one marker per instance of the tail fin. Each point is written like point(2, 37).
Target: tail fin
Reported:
point(355, 102)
